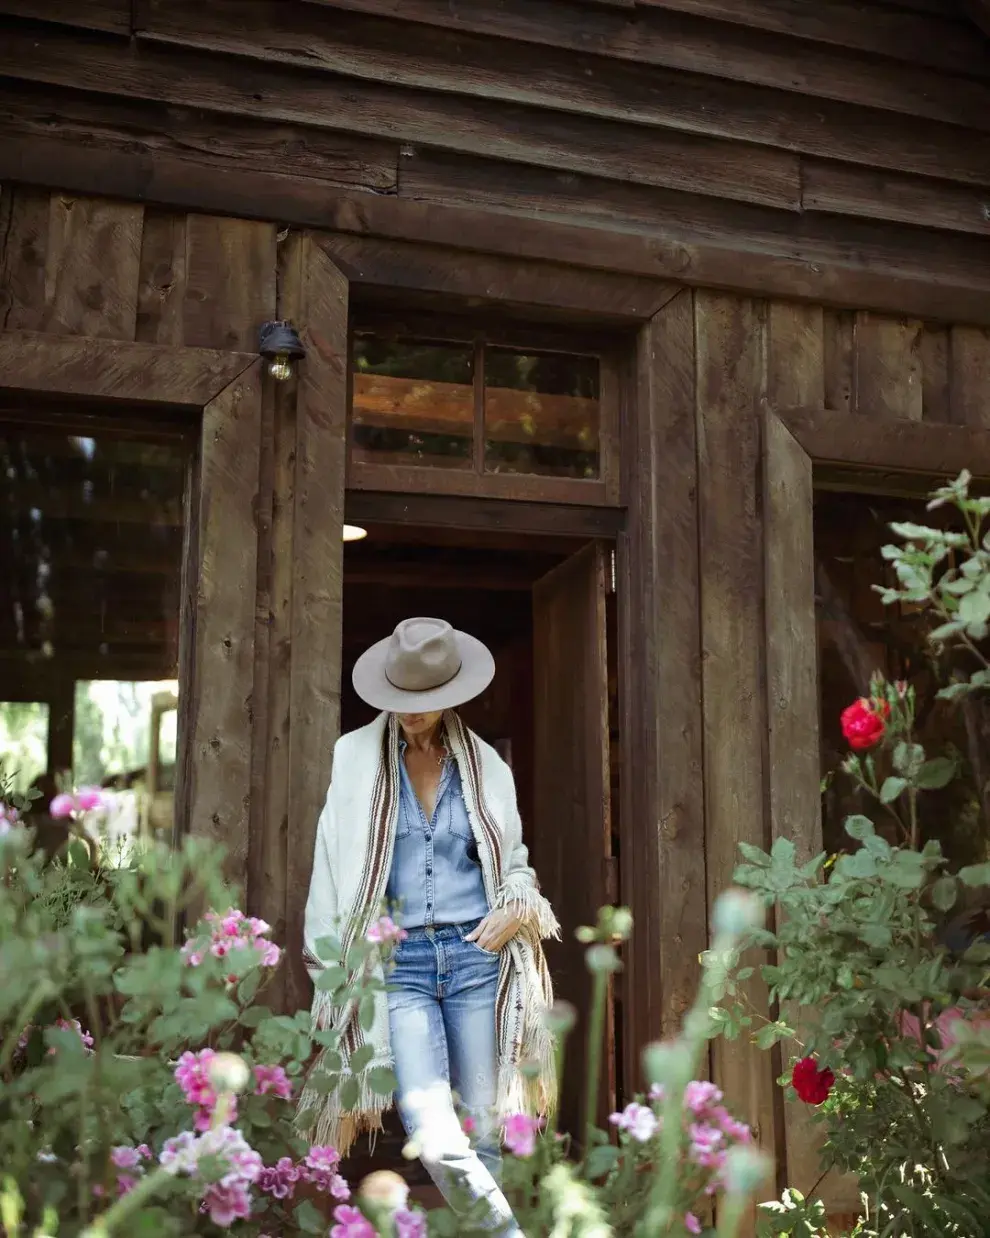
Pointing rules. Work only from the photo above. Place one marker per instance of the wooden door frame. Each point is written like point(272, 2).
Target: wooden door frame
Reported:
point(216, 652)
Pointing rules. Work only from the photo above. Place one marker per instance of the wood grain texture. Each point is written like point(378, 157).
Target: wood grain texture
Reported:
point(793, 764)
point(730, 382)
point(91, 272)
point(230, 282)
point(935, 374)
point(572, 805)
point(116, 372)
point(582, 230)
point(392, 264)
point(208, 141)
point(795, 354)
point(887, 368)
point(161, 290)
point(220, 689)
point(317, 578)
point(509, 131)
point(890, 444)
point(24, 221)
point(486, 515)
point(662, 816)
point(682, 41)
point(838, 359)
point(113, 16)
point(459, 63)
point(969, 377)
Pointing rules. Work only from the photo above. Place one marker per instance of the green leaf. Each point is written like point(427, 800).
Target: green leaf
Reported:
point(892, 788)
point(769, 1034)
point(945, 631)
point(944, 893)
point(349, 1093)
point(248, 988)
point(906, 870)
point(908, 758)
point(322, 1082)
point(309, 1219)
point(382, 1081)
point(331, 979)
point(362, 1057)
point(332, 1060)
point(936, 773)
point(328, 949)
point(975, 875)
point(254, 1016)
point(754, 855)
point(366, 1012)
point(859, 827)
point(601, 1160)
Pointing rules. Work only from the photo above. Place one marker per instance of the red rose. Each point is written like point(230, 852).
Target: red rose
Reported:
point(811, 1084)
point(863, 723)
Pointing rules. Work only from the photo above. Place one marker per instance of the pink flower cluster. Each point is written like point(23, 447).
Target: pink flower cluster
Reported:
point(943, 1026)
point(9, 817)
point(520, 1134)
point(229, 1199)
point(192, 1074)
point(130, 1164)
point(233, 931)
point(319, 1168)
point(352, 1223)
point(65, 1025)
point(710, 1132)
point(385, 932)
point(84, 799)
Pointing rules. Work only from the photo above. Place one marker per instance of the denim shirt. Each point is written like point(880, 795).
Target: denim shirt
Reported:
point(436, 875)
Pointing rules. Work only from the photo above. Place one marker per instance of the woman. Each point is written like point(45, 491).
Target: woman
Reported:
point(422, 814)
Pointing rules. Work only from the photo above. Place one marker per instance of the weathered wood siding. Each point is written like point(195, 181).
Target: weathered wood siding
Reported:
point(97, 269)
point(719, 141)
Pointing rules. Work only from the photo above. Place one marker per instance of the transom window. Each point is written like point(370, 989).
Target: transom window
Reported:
point(480, 416)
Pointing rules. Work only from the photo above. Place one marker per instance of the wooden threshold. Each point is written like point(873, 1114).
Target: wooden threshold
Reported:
point(458, 512)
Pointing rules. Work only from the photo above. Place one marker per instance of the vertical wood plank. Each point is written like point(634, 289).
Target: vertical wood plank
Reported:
point(795, 355)
point(230, 282)
point(317, 578)
point(970, 376)
point(162, 282)
point(729, 393)
point(793, 767)
point(887, 367)
point(573, 828)
point(92, 269)
point(24, 222)
point(661, 822)
point(838, 360)
point(935, 374)
point(217, 697)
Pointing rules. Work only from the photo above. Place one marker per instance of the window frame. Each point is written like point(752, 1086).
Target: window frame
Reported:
point(605, 347)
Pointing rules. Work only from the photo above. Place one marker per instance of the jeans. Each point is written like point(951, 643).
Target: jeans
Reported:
point(441, 1006)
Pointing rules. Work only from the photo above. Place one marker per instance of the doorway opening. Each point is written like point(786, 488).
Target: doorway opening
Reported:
point(546, 607)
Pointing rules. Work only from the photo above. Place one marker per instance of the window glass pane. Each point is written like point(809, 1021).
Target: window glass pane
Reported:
point(90, 584)
point(412, 402)
point(857, 635)
point(541, 413)
point(23, 742)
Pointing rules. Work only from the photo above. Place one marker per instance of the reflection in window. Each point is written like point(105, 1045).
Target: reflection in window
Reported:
point(89, 600)
point(541, 414)
point(857, 635)
point(413, 402)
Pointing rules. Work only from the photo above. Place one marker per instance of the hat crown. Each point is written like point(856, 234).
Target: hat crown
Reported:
point(422, 655)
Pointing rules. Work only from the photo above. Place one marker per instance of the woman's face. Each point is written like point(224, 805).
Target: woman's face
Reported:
point(418, 725)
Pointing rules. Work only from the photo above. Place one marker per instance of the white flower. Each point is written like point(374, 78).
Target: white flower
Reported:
point(638, 1121)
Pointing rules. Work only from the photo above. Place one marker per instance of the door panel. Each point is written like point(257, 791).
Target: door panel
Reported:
point(572, 801)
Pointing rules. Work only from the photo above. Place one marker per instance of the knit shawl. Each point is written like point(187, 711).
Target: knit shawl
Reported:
point(354, 844)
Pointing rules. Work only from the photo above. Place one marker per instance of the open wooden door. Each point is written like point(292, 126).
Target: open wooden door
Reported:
point(572, 810)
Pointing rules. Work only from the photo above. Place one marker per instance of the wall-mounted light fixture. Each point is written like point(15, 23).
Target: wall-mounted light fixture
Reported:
point(354, 533)
point(280, 345)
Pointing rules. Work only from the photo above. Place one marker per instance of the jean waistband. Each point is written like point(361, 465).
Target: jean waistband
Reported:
point(441, 932)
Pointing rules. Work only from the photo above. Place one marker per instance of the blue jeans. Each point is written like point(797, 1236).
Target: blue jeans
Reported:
point(441, 1007)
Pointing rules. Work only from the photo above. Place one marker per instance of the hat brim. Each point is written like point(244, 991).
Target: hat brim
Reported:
point(374, 688)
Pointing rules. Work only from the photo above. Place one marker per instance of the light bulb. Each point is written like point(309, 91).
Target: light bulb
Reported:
point(354, 533)
point(280, 367)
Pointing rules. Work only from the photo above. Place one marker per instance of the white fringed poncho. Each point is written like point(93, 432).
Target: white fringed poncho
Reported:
point(353, 857)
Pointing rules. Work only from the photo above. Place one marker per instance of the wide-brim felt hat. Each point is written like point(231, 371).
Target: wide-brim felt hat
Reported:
point(425, 665)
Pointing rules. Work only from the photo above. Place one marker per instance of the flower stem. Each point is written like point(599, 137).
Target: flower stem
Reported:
point(596, 1030)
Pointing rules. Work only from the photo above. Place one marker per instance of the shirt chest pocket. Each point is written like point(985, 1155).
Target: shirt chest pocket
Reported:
point(457, 818)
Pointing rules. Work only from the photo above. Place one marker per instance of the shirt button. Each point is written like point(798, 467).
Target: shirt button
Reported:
point(429, 872)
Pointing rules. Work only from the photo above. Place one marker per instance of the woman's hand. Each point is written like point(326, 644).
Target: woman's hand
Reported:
point(498, 927)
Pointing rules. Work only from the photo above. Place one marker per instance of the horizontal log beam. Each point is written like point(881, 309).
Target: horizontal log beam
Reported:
point(734, 264)
point(365, 507)
point(116, 372)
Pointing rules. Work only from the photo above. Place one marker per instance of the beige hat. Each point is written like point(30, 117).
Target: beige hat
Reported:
point(423, 666)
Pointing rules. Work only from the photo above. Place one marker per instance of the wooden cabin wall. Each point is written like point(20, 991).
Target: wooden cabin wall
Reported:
point(709, 364)
point(836, 151)
point(108, 270)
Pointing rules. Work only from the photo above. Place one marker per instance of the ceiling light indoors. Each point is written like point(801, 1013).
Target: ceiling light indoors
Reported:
point(354, 533)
